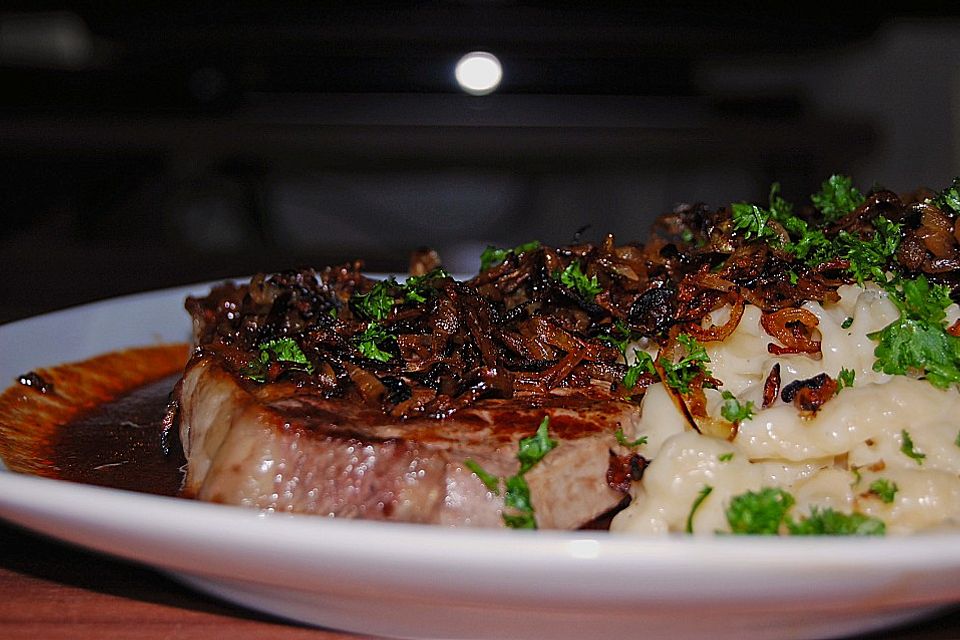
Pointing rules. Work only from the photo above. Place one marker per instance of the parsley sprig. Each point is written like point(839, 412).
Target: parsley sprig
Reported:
point(884, 489)
point(680, 374)
point(283, 350)
point(948, 200)
point(493, 256)
point(765, 512)
point(733, 411)
point(518, 508)
point(574, 278)
point(917, 343)
point(642, 363)
point(376, 303)
point(908, 449)
point(370, 342)
point(837, 197)
point(778, 226)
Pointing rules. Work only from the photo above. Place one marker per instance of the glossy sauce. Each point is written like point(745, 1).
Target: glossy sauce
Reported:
point(120, 444)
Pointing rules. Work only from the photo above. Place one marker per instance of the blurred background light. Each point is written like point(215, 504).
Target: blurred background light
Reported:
point(479, 73)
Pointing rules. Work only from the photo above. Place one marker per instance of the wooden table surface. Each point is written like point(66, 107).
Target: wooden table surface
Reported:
point(50, 590)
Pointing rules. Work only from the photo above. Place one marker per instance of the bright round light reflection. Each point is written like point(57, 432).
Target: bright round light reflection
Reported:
point(479, 73)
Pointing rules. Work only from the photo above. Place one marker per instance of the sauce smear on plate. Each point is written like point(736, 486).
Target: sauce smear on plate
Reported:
point(119, 444)
point(98, 421)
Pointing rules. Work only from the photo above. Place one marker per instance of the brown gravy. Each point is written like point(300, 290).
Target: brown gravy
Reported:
point(119, 444)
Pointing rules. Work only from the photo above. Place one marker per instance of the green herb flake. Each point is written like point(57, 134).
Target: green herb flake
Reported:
point(733, 411)
point(574, 278)
point(418, 289)
point(868, 257)
point(518, 508)
point(376, 303)
point(533, 449)
point(857, 477)
point(642, 363)
point(622, 439)
point(957, 441)
point(752, 221)
point(490, 481)
point(917, 343)
point(725, 457)
point(884, 489)
point(492, 256)
point(285, 350)
point(370, 343)
point(908, 449)
point(847, 323)
point(948, 200)
point(845, 378)
point(618, 335)
point(837, 197)
point(678, 375)
point(759, 512)
point(704, 492)
point(828, 522)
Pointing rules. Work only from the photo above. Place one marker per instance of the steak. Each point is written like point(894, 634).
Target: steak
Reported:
point(329, 393)
point(281, 448)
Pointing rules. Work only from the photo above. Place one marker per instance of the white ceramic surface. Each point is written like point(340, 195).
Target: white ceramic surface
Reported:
point(424, 582)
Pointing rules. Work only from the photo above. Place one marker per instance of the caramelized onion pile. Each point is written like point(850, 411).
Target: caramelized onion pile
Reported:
point(521, 328)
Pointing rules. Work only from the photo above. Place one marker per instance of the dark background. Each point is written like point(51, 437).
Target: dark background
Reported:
point(148, 146)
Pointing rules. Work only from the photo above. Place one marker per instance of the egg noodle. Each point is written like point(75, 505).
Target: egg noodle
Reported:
point(885, 447)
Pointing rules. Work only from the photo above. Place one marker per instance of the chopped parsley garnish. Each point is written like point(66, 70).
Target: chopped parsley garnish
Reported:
point(759, 512)
point(845, 378)
point(516, 495)
point(642, 363)
point(837, 197)
point(574, 278)
point(764, 512)
point(376, 303)
point(827, 522)
point(725, 457)
point(868, 257)
point(957, 441)
point(733, 411)
point(490, 481)
point(492, 256)
point(948, 200)
point(622, 439)
point(847, 322)
point(908, 449)
point(369, 342)
point(284, 350)
point(706, 491)
point(752, 221)
point(620, 336)
point(678, 375)
point(918, 343)
point(781, 228)
point(533, 449)
point(417, 288)
point(884, 489)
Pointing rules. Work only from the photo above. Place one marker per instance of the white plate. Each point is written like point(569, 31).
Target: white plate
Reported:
point(424, 582)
